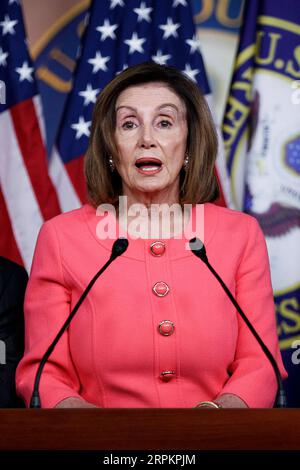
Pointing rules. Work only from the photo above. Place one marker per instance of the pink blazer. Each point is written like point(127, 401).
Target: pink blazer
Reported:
point(117, 352)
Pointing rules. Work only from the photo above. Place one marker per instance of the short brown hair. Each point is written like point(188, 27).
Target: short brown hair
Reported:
point(199, 183)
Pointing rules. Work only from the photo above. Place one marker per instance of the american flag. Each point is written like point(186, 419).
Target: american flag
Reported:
point(119, 33)
point(27, 195)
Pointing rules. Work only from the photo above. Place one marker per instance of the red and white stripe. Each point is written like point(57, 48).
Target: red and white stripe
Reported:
point(27, 194)
point(69, 198)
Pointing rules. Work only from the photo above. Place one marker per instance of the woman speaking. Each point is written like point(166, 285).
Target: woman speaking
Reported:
point(156, 329)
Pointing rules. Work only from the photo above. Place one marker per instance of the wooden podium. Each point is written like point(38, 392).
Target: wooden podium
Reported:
point(156, 429)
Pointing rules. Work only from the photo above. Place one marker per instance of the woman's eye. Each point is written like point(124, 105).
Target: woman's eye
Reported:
point(165, 123)
point(128, 125)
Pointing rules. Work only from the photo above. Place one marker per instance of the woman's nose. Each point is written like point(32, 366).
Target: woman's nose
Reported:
point(146, 137)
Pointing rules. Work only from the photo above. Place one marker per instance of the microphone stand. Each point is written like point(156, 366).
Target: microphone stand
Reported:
point(119, 247)
point(198, 249)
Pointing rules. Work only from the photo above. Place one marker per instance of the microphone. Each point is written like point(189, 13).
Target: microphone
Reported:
point(198, 249)
point(119, 247)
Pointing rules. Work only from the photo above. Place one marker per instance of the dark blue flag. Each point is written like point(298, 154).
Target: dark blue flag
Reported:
point(262, 137)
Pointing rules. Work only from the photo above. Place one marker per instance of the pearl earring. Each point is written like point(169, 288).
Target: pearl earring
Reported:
point(186, 162)
point(111, 164)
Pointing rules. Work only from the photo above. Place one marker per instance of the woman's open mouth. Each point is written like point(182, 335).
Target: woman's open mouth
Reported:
point(148, 166)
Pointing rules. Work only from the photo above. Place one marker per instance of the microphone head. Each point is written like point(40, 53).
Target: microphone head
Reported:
point(119, 247)
point(198, 249)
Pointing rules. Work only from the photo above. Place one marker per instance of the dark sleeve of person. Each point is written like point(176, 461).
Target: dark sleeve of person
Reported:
point(13, 281)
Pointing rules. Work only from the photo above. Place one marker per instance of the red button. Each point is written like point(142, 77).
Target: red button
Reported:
point(166, 327)
point(167, 375)
point(160, 289)
point(157, 248)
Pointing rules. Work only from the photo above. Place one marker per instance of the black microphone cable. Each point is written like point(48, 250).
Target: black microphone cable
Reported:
point(198, 249)
point(119, 247)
